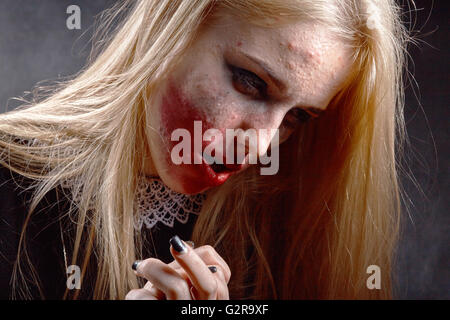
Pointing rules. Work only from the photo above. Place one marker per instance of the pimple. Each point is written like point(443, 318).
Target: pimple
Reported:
point(291, 46)
point(233, 116)
point(314, 57)
point(340, 61)
point(239, 43)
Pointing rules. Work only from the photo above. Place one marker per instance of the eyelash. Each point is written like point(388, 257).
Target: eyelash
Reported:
point(248, 83)
point(301, 116)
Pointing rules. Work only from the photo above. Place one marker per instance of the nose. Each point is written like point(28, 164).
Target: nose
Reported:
point(266, 126)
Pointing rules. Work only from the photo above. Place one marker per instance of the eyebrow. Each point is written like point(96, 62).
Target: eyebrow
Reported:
point(270, 73)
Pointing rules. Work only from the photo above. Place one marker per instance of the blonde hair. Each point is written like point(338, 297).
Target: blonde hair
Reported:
point(310, 232)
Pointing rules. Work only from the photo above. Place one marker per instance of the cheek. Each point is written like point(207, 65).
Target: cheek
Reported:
point(177, 112)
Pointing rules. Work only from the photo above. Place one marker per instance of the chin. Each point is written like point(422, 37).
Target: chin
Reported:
point(181, 183)
point(195, 178)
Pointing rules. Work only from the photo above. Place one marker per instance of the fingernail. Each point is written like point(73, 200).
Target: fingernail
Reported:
point(135, 264)
point(191, 243)
point(213, 269)
point(178, 245)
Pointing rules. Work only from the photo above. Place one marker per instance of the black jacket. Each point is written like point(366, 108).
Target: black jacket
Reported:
point(44, 240)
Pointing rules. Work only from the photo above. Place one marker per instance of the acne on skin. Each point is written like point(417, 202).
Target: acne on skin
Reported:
point(307, 58)
point(178, 112)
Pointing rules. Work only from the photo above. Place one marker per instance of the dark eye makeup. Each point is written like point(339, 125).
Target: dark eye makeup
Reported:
point(248, 83)
point(297, 116)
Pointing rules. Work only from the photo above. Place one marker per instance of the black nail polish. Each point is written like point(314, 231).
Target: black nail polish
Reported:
point(177, 244)
point(213, 269)
point(135, 264)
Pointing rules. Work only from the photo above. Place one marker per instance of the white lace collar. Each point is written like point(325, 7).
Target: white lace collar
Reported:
point(157, 203)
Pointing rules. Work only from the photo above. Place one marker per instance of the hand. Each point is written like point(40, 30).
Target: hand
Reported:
point(195, 274)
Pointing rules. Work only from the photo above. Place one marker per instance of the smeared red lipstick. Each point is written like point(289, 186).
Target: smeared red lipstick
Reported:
point(178, 112)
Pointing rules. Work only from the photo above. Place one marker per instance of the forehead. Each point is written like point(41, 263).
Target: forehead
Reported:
point(311, 60)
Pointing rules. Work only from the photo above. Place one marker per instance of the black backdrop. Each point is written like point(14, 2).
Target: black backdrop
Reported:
point(36, 45)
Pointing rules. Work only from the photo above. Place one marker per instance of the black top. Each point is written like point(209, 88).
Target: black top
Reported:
point(43, 239)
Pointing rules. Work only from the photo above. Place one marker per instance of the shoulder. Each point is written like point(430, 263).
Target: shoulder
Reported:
point(42, 234)
point(16, 194)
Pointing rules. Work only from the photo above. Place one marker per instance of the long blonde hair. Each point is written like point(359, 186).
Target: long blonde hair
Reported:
point(310, 232)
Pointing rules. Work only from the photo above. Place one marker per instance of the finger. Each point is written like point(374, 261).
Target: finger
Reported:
point(210, 256)
point(190, 243)
point(164, 278)
point(155, 291)
point(204, 282)
point(140, 294)
point(185, 276)
point(222, 290)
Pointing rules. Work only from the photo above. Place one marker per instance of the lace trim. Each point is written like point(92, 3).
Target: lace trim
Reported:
point(155, 202)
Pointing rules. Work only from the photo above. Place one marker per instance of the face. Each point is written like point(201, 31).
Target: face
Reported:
point(240, 76)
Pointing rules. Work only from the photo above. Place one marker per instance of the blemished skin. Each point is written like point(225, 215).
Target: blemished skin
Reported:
point(219, 83)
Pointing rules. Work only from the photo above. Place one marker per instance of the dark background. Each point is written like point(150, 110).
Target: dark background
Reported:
point(36, 45)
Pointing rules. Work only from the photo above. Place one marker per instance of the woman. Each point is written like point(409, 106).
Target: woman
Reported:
point(326, 74)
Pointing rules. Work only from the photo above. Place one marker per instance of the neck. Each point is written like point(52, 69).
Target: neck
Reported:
point(149, 166)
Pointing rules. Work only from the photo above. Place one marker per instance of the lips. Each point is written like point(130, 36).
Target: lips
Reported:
point(218, 177)
point(218, 168)
point(223, 167)
point(219, 173)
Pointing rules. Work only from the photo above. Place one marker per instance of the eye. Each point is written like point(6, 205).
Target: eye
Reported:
point(297, 116)
point(248, 83)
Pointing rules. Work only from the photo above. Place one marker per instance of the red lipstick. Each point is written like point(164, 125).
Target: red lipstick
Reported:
point(178, 112)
